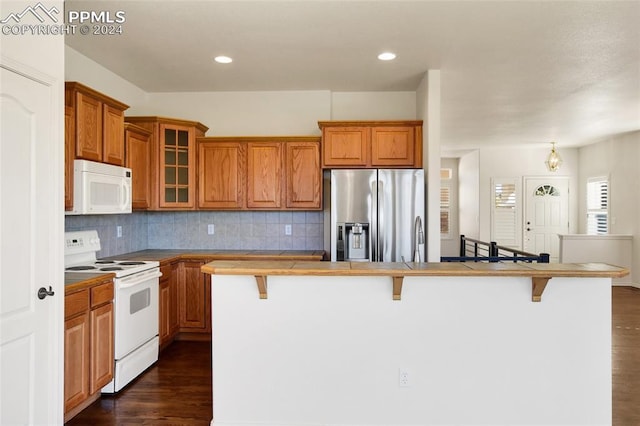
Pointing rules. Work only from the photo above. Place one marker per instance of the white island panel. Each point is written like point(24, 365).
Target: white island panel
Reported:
point(328, 351)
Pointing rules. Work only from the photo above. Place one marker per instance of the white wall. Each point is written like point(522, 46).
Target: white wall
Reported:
point(469, 194)
point(450, 246)
point(618, 158)
point(428, 110)
point(88, 72)
point(519, 162)
point(245, 113)
point(327, 351)
point(373, 106)
point(613, 249)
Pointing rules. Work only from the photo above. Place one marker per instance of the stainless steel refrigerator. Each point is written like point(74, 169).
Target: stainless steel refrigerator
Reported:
point(377, 215)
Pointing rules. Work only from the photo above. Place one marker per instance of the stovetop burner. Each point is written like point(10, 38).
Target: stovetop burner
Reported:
point(80, 268)
point(81, 248)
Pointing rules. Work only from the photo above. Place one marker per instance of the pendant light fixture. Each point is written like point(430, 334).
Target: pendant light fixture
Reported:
point(554, 161)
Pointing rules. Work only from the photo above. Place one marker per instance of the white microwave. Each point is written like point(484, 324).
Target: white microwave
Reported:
point(100, 188)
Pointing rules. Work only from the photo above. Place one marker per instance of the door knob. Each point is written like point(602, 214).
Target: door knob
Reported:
point(43, 292)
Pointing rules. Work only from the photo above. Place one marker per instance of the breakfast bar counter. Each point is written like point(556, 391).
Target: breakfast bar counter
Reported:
point(540, 273)
point(324, 343)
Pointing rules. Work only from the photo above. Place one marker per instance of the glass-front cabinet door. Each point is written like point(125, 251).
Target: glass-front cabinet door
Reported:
point(177, 167)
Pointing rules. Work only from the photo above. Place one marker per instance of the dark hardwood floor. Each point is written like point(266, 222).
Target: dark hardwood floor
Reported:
point(177, 389)
point(174, 391)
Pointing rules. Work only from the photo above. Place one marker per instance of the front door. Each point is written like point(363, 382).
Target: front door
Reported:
point(30, 247)
point(546, 215)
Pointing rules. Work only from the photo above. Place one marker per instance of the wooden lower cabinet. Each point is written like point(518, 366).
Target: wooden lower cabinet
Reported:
point(194, 299)
point(102, 347)
point(88, 345)
point(169, 324)
point(76, 360)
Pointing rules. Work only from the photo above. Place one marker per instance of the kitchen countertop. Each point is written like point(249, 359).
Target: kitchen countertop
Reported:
point(226, 267)
point(75, 281)
point(540, 273)
point(170, 255)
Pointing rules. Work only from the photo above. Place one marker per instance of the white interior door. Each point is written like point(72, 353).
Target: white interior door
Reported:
point(30, 246)
point(546, 215)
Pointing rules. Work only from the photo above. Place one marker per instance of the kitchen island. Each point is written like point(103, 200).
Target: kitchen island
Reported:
point(344, 343)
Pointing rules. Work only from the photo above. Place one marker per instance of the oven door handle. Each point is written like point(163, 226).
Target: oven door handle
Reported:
point(135, 279)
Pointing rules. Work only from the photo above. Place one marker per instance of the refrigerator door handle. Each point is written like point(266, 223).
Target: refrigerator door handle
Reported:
point(373, 226)
point(380, 220)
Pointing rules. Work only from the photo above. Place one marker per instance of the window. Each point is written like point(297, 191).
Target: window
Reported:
point(597, 206)
point(505, 212)
point(445, 202)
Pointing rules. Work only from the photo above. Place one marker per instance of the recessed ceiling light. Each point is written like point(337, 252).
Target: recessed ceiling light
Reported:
point(387, 56)
point(223, 59)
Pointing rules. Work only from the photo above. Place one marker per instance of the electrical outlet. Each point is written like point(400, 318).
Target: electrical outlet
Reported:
point(211, 229)
point(403, 378)
point(287, 229)
point(119, 231)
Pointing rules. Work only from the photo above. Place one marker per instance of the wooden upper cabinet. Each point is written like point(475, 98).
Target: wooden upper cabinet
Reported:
point(264, 175)
point(259, 173)
point(99, 124)
point(303, 175)
point(393, 146)
point(173, 161)
point(220, 175)
point(345, 146)
point(371, 144)
point(112, 135)
point(69, 150)
point(177, 164)
point(137, 141)
point(88, 127)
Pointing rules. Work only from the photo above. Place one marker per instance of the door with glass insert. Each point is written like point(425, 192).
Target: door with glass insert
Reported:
point(177, 167)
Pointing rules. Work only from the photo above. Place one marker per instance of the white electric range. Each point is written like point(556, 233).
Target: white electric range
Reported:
point(136, 287)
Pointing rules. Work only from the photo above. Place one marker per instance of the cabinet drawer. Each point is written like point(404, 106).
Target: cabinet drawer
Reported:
point(101, 294)
point(76, 303)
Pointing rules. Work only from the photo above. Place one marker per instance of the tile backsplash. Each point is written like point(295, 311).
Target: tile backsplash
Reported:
point(189, 230)
point(134, 231)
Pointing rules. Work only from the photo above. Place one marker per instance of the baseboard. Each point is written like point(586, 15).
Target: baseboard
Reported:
point(84, 404)
point(635, 285)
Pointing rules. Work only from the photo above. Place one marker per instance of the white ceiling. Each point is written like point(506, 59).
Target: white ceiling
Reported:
point(514, 72)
